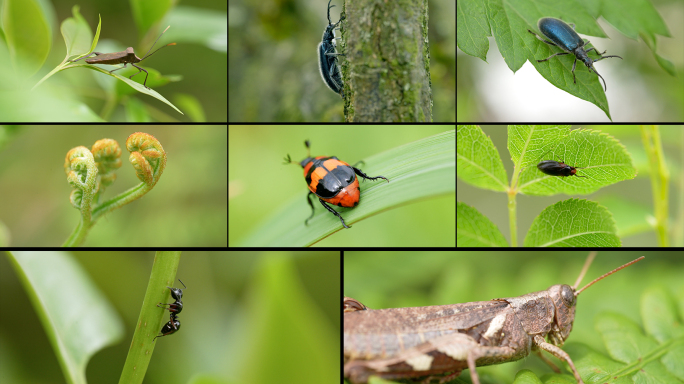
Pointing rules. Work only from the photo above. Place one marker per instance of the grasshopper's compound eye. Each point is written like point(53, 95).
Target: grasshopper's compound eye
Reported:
point(568, 295)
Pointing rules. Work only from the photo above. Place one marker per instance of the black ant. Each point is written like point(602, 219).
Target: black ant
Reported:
point(171, 327)
point(175, 308)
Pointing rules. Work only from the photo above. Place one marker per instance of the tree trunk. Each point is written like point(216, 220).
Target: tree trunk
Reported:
point(386, 70)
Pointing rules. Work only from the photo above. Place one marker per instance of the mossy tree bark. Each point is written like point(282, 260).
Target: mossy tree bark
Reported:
point(386, 69)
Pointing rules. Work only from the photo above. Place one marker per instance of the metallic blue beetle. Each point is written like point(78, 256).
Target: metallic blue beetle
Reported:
point(327, 57)
point(565, 38)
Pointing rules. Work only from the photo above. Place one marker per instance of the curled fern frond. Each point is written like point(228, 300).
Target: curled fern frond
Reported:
point(147, 156)
point(107, 154)
point(83, 166)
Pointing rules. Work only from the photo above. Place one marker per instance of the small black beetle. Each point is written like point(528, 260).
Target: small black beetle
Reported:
point(565, 38)
point(327, 57)
point(556, 168)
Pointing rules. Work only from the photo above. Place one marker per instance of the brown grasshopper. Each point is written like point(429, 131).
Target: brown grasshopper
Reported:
point(438, 342)
point(124, 57)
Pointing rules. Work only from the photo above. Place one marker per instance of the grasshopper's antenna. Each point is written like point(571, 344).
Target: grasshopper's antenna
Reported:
point(587, 263)
point(155, 42)
point(608, 274)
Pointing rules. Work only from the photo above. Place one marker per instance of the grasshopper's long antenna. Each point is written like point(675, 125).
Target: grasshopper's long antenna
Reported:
point(587, 263)
point(608, 274)
point(148, 54)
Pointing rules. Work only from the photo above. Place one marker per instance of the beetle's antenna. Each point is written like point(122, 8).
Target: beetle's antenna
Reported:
point(148, 54)
point(329, 22)
point(599, 75)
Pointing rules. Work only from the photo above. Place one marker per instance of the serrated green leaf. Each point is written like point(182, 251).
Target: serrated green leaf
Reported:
point(476, 230)
point(478, 162)
point(573, 223)
point(602, 159)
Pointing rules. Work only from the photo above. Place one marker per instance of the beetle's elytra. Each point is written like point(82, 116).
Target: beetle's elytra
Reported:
point(332, 181)
point(564, 37)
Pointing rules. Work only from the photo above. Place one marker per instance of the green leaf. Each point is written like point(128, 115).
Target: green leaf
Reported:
point(525, 376)
point(476, 230)
point(78, 319)
point(478, 162)
point(603, 159)
point(573, 223)
point(27, 32)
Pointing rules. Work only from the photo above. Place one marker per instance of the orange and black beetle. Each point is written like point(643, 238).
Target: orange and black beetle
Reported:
point(332, 180)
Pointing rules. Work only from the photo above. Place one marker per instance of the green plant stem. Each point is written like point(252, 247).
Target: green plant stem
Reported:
point(151, 317)
point(77, 235)
point(660, 178)
point(120, 200)
point(88, 220)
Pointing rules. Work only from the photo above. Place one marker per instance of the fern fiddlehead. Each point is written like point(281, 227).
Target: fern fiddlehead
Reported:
point(83, 166)
point(147, 156)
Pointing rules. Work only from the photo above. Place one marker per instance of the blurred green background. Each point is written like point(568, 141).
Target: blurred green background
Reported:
point(260, 183)
point(187, 207)
point(438, 278)
point(248, 317)
point(273, 69)
point(197, 63)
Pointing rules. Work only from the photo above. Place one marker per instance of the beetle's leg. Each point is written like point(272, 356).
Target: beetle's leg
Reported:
point(334, 213)
point(546, 41)
point(555, 54)
point(358, 172)
point(306, 222)
point(573, 70)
